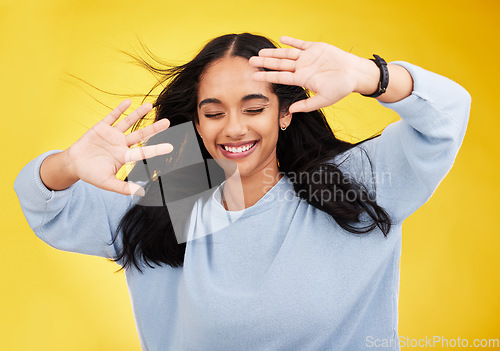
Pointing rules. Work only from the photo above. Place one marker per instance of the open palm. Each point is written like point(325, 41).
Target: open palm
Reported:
point(99, 154)
point(322, 68)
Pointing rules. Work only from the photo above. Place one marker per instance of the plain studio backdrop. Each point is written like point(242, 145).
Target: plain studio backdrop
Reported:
point(53, 300)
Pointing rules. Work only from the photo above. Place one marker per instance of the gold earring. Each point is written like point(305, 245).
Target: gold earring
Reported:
point(283, 127)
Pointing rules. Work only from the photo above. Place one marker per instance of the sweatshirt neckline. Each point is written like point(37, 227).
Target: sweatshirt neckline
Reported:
point(281, 191)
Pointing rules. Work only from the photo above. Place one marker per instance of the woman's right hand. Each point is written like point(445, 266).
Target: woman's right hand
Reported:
point(99, 154)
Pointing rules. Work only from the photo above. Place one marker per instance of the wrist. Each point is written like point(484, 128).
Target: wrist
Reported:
point(400, 84)
point(368, 77)
point(56, 172)
point(67, 165)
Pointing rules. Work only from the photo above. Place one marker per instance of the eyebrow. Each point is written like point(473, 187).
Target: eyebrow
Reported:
point(244, 98)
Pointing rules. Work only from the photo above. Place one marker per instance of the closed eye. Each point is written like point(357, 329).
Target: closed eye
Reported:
point(251, 111)
point(212, 115)
point(255, 111)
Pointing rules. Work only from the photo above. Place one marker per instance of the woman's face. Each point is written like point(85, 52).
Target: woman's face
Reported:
point(238, 118)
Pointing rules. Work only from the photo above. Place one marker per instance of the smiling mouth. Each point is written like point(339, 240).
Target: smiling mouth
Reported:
point(238, 149)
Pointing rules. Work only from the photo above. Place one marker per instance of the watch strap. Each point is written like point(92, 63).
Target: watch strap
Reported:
point(384, 76)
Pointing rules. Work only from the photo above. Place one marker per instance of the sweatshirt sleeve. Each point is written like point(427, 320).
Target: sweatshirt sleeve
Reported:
point(406, 163)
point(81, 218)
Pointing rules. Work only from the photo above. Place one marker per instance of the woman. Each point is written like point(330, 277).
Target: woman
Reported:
point(256, 268)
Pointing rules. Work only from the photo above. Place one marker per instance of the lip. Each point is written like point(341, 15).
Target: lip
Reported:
point(231, 155)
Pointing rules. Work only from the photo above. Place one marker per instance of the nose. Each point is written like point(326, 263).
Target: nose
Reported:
point(236, 126)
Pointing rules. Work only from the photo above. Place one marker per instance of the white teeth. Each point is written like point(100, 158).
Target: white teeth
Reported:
point(239, 149)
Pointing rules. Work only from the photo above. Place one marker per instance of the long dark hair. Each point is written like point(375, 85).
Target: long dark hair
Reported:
point(306, 148)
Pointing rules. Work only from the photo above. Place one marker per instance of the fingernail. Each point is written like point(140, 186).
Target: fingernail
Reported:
point(140, 192)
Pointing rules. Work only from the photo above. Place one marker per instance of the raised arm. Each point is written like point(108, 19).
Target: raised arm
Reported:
point(72, 199)
point(81, 218)
point(412, 156)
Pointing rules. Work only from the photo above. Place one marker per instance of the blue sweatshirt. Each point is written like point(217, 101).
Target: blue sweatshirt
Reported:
point(281, 275)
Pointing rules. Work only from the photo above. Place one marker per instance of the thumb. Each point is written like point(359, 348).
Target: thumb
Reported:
point(310, 104)
point(125, 188)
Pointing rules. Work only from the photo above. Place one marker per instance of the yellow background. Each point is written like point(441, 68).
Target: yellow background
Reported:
point(53, 300)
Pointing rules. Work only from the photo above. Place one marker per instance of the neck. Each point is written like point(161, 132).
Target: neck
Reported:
point(242, 192)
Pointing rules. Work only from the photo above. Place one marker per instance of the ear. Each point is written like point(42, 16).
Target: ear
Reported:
point(285, 119)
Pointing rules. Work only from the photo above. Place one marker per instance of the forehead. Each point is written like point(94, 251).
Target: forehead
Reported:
point(230, 78)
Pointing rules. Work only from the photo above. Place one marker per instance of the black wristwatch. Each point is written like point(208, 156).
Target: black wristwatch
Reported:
point(384, 76)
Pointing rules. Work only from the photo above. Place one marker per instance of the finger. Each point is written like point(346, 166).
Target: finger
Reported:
point(121, 187)
point(117, 112)
point(292, 54)
point(287, 78)
point(300, 44)
point(128, 121)
point(310, 104)
point(273, 63)
point(141, 153)
point(147, 132)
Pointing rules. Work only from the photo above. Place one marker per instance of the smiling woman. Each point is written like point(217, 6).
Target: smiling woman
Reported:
point(298, 247)
point(241, 122)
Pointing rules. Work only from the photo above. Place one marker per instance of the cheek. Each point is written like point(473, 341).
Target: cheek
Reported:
point(208, 131)
point(270, 127)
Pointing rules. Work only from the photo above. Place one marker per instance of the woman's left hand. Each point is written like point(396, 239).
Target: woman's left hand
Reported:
point(328, 71)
